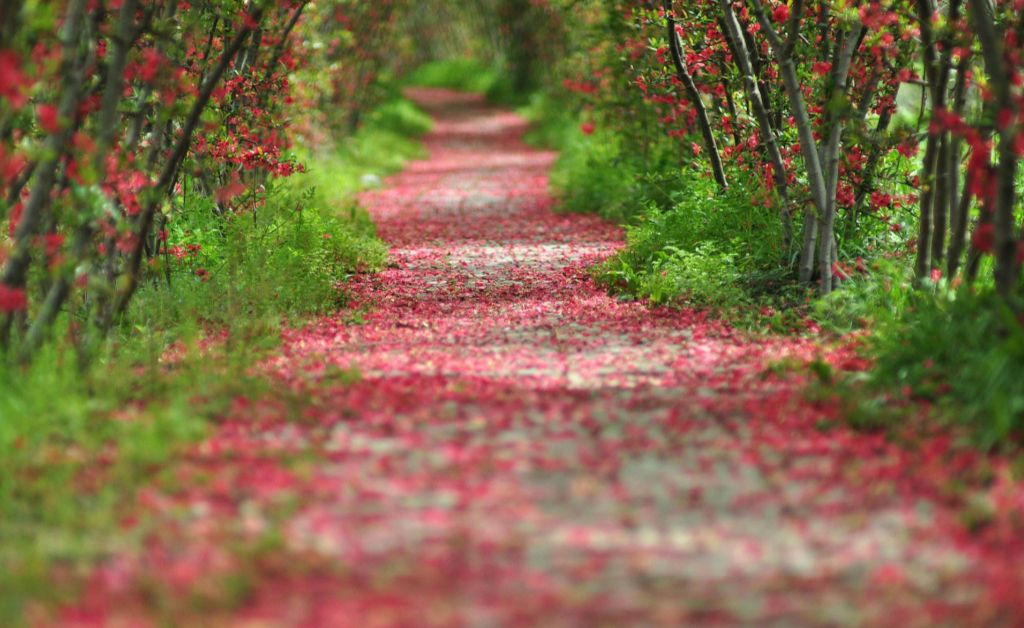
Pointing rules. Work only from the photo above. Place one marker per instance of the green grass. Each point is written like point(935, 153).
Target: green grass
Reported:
point(75, 447)
point(468, 75)
point(462, 74)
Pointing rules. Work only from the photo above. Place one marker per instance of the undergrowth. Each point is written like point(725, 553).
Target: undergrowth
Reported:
point(956, 351)
point(688, 244)
point(288, 256)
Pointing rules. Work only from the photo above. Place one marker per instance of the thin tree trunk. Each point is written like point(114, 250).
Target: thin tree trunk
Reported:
point(107, 129)
point(924, 226)
point(768, 136)
point(934, 199)
point(808, 246)
point(958, 236)
point(808, 145)
point(282, 45)
point(840, 76)
point(703, 121)
point(1006, 195)
point(991, 40)
point(927, 193)
point(940, 204)
point(958, 199)
point(16, 269)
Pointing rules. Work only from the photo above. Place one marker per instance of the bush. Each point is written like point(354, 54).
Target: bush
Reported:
point(704, 278)
point(287, 257)
point(865, 297)
point(553, 123)
point(595, 175)
point(463, 74)
point(397, 117)
point(708, 249)
point(960, 349)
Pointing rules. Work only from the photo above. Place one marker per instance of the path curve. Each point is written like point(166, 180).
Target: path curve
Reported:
point(523, 449)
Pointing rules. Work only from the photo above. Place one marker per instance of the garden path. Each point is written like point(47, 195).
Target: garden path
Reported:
point(521, 448)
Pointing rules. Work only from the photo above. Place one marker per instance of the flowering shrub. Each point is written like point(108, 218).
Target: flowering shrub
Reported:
point(821, 105)
point(118, 117)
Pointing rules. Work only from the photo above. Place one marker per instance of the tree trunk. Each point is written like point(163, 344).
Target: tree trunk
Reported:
point(107, 130)
point(703, 121)
point(840, 76)
point(805, 129)
point(764, 123)
point(958, 234)
point(940, 204)
point(926, 196)
point(16, 269)
point(935, 173)
point(991, 39)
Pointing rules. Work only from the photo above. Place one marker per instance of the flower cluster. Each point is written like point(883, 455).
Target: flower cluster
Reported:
point(113, 114)
point(827, 109)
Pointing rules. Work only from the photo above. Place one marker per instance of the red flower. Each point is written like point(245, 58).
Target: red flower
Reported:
point(1004, 118)
point(588, 128)
point(228, 193)
point(49, 119)
point(152, 62)
point(53, 242)
point(841, 271)
point(15, 218)
point(821, 68)
point(781, 13)
point(908, 149)
point(880, 200)
point(250, 21)
point(12, 299)
point(984, 238)
point(12, 79)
